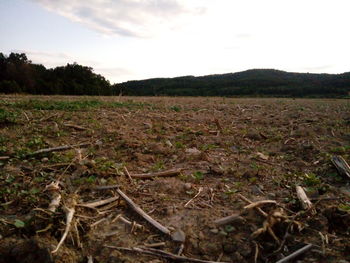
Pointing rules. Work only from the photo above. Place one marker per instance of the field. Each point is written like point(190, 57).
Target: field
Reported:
point(203, 158)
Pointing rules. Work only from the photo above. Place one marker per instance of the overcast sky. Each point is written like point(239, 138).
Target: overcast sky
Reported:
point(137, 39)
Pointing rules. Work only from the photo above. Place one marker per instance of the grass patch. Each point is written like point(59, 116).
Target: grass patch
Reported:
point(55, 105)
point(7, 116)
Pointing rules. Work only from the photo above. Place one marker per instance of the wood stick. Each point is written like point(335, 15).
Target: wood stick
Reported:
point(228, 219)
point(259, 203)
point(59, 148)
point(163, 254)
point(168, 173)
point(296, 253)
point(2, 158)
point(341, 165)
point(143, 214)
point(250, 202)
point(99, 203)
point(304, 200)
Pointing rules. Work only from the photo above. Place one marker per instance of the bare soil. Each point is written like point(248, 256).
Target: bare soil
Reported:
point(259, 148)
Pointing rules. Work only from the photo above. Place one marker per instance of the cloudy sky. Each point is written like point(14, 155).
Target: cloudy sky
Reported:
point(137, 39)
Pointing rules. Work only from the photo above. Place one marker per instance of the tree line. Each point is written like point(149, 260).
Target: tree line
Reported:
point(20, 75)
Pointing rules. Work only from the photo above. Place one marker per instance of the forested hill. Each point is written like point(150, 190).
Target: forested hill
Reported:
point(20, 75)
point(256, 82)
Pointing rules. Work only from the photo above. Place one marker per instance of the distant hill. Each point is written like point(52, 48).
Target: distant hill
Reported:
point(20, 75)
point(255, 82)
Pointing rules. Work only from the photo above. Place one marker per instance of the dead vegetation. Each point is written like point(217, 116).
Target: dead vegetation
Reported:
point(174, 179)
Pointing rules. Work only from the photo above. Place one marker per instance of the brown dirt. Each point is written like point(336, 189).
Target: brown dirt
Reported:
point(260, 148)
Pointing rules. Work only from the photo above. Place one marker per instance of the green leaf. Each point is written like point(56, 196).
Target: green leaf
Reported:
point(19, 223)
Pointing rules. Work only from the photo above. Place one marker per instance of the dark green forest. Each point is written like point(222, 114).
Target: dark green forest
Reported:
point(20, 75)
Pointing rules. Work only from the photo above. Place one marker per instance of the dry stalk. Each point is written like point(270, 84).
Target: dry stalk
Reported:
point(295, 254)
point(199, 191)
point(59, 148)
point(168, 173)
point(93, 205)
point(259, 203)
point(70, 210)
point(55, 196)
point(250, 202)
point(128, 174)
point(162, 254)
point(143, 214)
point(304, 200)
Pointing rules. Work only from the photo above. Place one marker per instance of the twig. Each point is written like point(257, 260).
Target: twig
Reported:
point(2, 158)
point(143, 214)
point(163, 254)
point(168, 173)
point(199, 191)
point(59, 148)
point(99, 203)
point(250, 202)
point(296, 253)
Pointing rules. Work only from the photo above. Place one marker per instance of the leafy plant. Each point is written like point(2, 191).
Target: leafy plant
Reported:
point(7, 116)
point(311, 180)
point(198, 175)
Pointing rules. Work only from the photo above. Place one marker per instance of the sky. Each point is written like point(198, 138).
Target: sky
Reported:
point(138, 39)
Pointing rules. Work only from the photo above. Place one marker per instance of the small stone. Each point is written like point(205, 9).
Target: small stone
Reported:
point(193, 151)
point(271, 195)
point(214, 230)
point(223, 233)
point(45, 160)
point(178, 236)
point(187, 186)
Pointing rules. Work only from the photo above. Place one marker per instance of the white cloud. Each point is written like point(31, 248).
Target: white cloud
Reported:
point(137, 18)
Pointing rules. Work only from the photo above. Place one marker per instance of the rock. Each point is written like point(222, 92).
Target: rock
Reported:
point(178, 236)
point(223, 233)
